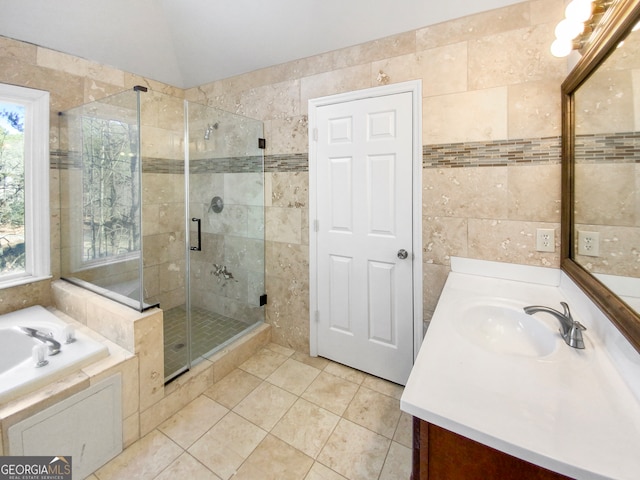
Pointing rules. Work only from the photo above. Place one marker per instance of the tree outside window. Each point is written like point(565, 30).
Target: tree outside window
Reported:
point(12, 187)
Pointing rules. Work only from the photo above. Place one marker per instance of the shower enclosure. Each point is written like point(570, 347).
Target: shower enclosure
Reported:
point(162, 203)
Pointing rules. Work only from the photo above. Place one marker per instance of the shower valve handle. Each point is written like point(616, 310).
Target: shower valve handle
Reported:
point(199, 247)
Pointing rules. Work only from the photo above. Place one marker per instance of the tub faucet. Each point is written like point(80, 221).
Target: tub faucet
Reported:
point(45, 338)
point(571, 330)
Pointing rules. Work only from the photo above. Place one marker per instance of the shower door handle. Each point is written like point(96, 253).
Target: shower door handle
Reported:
point(199, 247)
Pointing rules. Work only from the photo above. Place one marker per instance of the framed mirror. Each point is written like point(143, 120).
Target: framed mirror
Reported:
point(601, 169)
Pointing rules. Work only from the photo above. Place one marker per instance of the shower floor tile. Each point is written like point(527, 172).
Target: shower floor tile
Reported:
point(208, 331)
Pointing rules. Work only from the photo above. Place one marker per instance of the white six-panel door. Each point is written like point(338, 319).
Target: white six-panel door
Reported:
point(364, 221)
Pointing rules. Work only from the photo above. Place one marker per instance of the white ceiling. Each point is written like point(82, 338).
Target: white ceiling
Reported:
point(187, 43)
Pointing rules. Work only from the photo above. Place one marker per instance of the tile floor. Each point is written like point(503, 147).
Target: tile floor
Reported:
point(281, 415)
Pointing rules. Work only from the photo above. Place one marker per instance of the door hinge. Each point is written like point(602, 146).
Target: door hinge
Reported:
point(262, 143)
point(315, 134)
point(317, 315)
point(263, 299)
point(316, 225)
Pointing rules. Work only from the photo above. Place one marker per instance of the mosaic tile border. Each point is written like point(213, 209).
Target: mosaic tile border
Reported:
point(496, 153)
point(546, 150)
point(608, 148)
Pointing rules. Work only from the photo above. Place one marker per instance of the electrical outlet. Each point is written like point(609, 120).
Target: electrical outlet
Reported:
point(589, 243)
point(545, 240)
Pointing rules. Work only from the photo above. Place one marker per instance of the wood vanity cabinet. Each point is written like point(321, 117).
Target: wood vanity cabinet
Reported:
point(439, 454)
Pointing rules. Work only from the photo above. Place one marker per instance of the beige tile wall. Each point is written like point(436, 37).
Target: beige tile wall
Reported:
point(484, 77)
point(71, 82)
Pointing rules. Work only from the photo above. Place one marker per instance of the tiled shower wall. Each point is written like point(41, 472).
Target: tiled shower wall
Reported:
point(491, 107)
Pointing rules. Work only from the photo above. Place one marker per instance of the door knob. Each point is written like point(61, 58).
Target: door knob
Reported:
point(402, 254)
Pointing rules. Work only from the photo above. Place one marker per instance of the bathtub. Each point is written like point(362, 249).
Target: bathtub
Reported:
point(19, 374)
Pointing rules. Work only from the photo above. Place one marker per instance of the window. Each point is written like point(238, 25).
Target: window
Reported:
point(24, 185)
point(110, 203)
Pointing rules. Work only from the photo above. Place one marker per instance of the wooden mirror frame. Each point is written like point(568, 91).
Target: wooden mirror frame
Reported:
point(618, 22)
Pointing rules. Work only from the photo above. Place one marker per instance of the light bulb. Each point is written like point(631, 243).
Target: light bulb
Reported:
point(569, 29)
point(579, 10)
point(561, 47)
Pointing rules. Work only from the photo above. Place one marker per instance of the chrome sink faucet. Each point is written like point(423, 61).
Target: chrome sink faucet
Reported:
point(571, 330)
point(54, 346)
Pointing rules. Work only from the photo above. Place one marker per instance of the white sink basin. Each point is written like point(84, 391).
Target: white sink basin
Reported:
point(506, 329)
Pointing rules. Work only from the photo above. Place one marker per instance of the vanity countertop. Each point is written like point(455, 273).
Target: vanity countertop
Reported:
point(564, 409)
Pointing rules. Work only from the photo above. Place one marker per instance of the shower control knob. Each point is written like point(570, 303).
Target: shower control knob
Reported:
point(402, 254)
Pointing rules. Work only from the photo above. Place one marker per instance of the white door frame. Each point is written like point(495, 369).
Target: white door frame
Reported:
point(415, 88)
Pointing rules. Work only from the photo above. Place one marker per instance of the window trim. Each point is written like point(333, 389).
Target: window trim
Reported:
point(36, 179)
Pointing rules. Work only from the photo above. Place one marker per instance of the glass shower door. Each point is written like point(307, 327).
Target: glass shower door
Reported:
point(226, 227)
point(224, 181)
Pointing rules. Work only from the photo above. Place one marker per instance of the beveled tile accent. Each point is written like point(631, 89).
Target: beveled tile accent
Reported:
point(233, 388)
point(306, 427)
point(331, 392)
point(223, 448)
point(266, 405)
point(293, 376)
point(273, 459)
point(192, 421)
point(375, 411)
point(143, 460)
point(354, 451)
point(187, 467)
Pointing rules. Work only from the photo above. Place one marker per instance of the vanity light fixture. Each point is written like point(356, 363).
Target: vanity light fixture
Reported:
point(581, 16)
